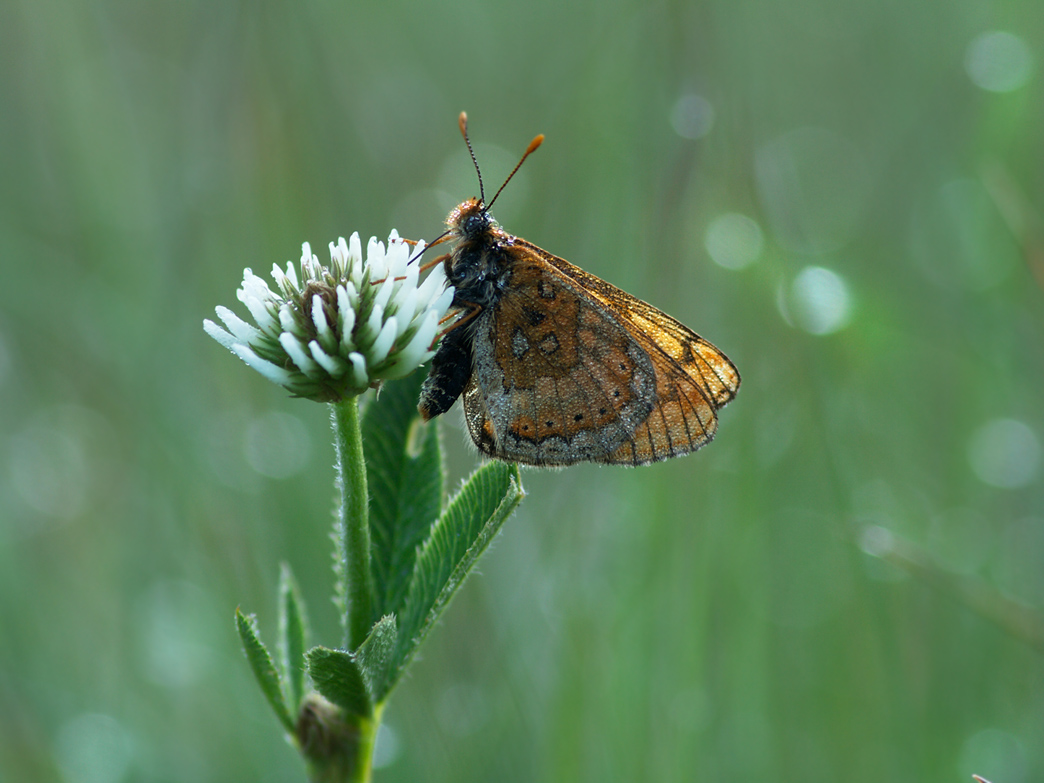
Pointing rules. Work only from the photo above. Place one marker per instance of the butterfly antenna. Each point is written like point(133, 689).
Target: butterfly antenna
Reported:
point(529, 151)
point(463, 122)
point(437, 241)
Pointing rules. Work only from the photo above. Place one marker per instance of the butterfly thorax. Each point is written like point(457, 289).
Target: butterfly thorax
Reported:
point(478, 267)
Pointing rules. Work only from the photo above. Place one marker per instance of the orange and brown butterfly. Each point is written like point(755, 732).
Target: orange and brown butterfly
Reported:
point(557, 366)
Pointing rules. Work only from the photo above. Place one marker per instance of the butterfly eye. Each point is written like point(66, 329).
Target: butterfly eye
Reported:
point(476, 224)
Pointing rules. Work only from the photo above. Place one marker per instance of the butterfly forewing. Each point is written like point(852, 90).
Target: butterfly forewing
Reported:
point(664, 336)
point(556, 381)
point(566, 371)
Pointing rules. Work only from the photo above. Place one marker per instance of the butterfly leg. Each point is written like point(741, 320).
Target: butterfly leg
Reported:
point(475, 310)
point(434, 262)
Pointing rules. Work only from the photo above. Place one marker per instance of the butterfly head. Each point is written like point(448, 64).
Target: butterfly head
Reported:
point(470, 220)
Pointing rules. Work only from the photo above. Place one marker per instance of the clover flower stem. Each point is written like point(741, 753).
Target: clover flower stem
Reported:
point(354, 521)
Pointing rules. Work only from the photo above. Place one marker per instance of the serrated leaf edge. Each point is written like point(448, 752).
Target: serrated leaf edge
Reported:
point(513, 495)
point(263, 667)
point(347, 687)
point(293, 637)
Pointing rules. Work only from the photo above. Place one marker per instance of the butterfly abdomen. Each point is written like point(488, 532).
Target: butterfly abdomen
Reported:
point(449, 373)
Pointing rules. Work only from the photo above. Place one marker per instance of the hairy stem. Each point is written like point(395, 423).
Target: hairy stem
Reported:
point(354, 519)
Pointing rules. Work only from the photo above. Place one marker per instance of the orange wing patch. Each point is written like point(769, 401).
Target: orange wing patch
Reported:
point(565, 374)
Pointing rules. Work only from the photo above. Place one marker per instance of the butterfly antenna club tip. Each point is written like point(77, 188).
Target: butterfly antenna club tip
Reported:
point(536, 142)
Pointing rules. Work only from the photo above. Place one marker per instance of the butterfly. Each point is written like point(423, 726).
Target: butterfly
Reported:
point(557, 366)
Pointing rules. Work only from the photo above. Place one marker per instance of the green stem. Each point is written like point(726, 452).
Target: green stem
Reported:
point(367, 741)
point(337, 748)
point(354, 522)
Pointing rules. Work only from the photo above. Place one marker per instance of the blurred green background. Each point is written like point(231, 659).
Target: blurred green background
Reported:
point(844, 196)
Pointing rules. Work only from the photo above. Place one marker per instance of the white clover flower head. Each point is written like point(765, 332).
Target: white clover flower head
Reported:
point(331, 332)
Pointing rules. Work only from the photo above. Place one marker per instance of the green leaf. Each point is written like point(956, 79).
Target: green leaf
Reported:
point(375, 657)
point(406, 476)
point(337, 676)
point(293, 635)
point(458, 539)
point(263, 668)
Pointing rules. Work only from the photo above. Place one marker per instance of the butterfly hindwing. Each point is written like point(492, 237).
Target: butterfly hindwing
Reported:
point(569, 368)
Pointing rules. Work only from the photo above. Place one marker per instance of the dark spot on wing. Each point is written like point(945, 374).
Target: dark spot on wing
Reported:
point(536, 317)
point(549, 344)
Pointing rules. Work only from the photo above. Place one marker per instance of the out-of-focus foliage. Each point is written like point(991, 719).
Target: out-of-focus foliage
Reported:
point(845, 196)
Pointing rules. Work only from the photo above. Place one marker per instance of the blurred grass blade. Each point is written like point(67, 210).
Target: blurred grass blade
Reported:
point(406, 476)
point(1017, 619)
point(457, 540)
point(293, 637)
point(338, 677)
point(375, 657)
point(263, 667)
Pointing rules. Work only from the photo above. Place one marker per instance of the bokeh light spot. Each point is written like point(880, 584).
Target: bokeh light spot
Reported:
point(277, 445)
point(733, 240)
point(48, 469)
point(876, 541)
point(60, 460)
point(998, 61)
point(1005, 453)
point(93, 748)
point(817, 301)
point(692, 116)
point(387, 747)
point(173, 631)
